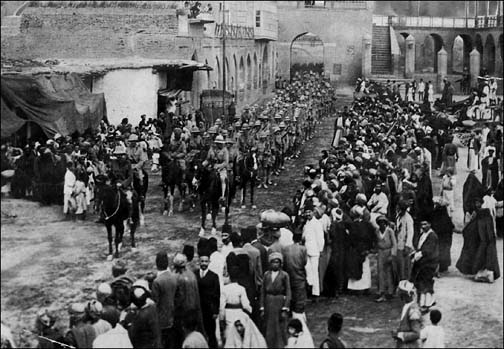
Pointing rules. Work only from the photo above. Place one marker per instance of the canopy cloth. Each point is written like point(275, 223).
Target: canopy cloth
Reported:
point(58, 103)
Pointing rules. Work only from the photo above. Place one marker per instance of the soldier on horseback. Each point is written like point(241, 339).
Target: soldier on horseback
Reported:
point(177, 150)
point(219, 157)
point(121, 172)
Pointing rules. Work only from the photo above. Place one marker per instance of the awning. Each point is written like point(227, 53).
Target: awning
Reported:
point(182, 64)
point(170, 93)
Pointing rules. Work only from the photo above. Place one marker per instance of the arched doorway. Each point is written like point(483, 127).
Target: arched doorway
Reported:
point(256, 71)
point(428, 54)
point(248, 79)
point(241, 80)
point(489, 54)
point(265, 69)
point(501, 47)
point(306, 53)
point(402, 46)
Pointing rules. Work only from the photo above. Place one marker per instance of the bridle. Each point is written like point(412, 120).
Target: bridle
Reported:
point(117, 208)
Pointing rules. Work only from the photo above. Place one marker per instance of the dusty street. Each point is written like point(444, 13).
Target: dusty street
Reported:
point(47, 262)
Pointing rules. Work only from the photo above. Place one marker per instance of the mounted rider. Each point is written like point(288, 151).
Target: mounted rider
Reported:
point(177, 150)
point(219, 157)
point(121, 172)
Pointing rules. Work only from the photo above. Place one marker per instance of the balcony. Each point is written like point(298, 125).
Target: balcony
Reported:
point(261, 33)
point(201, 18)
point(439, 22)
point(234, 31)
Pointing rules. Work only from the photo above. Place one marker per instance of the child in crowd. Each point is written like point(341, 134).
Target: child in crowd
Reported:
point(334, 325)
point(433, 335)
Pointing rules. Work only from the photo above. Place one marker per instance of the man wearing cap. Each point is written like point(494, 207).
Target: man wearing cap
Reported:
point(163, 294)
point(410, 325)
point(80, 334)
point(425, 262)
point(490, 169)
point(187, 298)
point(209, 292)
point(404, 233)
point(220, 160)
point(295, 258)
point(144, 331)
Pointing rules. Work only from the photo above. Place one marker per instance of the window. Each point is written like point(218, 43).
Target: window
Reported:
point(258, 19)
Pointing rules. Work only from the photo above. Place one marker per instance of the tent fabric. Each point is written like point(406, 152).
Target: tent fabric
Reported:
point(58, 103)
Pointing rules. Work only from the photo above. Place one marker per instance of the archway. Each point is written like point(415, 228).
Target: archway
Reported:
point(235, 76)
point(489, 54)
point(241, 80)
point(256, 71)
point(402, 46)
point(501, 47)
point(478, 44)
point(306, 53)
point(229, 79)
point(248, 78)
point(265, 69)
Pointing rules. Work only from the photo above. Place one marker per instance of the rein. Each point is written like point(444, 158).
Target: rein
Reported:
point(116, 210)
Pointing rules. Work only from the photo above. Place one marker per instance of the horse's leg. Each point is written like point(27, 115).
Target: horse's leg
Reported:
point(203, 217)
point(243, 191)
point(252, 185)
point(119, 232)
point(182, 191)
point(132, 235)
point(215, 210)
point(170, 198)
point(109, 237)
point(165, 200)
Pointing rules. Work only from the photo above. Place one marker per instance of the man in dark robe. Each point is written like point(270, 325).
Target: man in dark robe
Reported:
point(425, 263)
point(209, 290)
point(490, 170)
point(443, 227)
point(187, 298)
point(339, 245)
point(295, 259)
point(472, 189)
point(424, 195)
point(479, 252)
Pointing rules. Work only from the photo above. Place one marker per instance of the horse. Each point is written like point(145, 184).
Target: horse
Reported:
point(171, 176)
point(247, 174)
point(115, 210)
point(207, 183)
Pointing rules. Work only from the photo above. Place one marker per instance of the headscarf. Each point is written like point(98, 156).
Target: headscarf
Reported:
point(275, 255)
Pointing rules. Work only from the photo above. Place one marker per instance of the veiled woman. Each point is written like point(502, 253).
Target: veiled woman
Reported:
point(479, 253)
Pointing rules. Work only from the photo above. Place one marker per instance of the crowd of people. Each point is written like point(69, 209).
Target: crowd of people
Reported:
point(370, 197)
point(64, 170)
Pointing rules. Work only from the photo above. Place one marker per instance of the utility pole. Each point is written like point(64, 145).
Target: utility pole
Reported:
point(224, 62)
point(488, 8)
point(418, 8)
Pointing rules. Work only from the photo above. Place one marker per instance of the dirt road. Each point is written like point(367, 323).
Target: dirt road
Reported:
point(47, 262)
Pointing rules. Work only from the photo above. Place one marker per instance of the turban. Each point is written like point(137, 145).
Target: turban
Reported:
point(275, 255)
point(180, 260)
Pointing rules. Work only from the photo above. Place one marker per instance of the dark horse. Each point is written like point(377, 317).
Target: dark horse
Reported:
point(207, 183)
point(115, 211)
point(171, 177)
point(247, 174)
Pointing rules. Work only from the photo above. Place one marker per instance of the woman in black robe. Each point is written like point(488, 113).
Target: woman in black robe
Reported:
point(443, 227)
point(479, 252)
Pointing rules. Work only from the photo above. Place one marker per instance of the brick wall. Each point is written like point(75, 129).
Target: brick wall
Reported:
point(92, 33)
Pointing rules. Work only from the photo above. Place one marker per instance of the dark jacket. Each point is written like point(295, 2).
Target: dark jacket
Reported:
point(163, 293)
point(209, 292)
point(144, 331)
